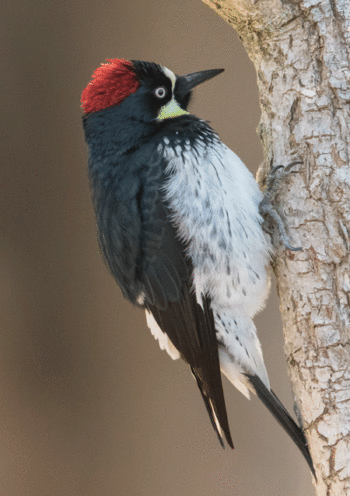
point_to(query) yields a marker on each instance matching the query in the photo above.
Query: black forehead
(149, 72)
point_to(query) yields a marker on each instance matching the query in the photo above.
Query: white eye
(160, 92)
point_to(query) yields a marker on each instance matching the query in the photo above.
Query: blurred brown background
(89, 404)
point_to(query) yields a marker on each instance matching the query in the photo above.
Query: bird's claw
(276, 174)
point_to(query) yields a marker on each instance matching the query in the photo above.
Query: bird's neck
(108, 133)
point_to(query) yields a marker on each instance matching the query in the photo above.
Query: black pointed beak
(196, 78)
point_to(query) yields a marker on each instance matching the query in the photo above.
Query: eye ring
(160, 92)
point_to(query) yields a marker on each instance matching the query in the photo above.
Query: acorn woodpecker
(180, 229)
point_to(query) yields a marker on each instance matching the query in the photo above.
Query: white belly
(215, 204)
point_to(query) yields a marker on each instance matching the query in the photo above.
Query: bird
(180, 229)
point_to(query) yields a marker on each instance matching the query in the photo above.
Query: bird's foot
(273, 222)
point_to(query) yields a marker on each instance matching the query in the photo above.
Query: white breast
(215, 201)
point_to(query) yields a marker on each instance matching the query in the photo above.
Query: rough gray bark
(301, 52)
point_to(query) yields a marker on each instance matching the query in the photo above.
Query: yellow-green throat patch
(170, 110)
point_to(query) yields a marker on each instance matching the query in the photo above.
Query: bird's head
(141, 90)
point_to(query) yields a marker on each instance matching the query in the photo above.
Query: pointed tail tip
(312, 468)
(275, 407)
(223, 433)
(229, 441)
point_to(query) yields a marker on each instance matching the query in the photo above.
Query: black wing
(145, 255)
(167, 280)
(191, 330)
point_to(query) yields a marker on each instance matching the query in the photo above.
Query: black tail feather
(209, 408)
(274, 405)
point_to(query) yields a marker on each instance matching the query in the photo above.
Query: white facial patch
(169, 74)
(172, 108)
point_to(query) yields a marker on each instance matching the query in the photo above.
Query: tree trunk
(301, 52)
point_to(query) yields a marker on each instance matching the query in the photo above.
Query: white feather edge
(162, 338)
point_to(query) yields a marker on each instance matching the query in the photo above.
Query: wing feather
(191, 330)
